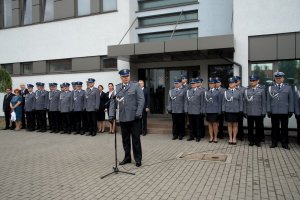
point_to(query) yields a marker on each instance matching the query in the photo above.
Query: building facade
(70, 40)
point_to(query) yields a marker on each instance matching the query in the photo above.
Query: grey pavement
(54, 166)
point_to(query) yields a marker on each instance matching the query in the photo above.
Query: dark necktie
(279, 86)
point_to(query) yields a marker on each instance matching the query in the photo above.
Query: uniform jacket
(92, 99)
(78, 99)
(54, 97)
(147, 97)
(130, 101)
(232, 102)
(193, 101)
(29, 102)
(280, 101)
(6, 102)
(41, 99)
(66, 103)
(255, 101)
(212, 101)
(176, 100)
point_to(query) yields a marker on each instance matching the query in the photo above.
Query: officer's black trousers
(280, 134)
(66, 121)
(92, 122)
(41, 120)
(201, 126)
(30, 118)
(298, 131)
(84, 122)
(194, 126)
(144, 122)
(178, 124)
(7, 118)
(240, 134)
(221, 126)
(23, 117)
(259, 128)
(77, 115)
(54, 120)
(131, 128)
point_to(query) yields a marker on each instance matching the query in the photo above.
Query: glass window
(28, 12)
(161, 36)
(8, 68)
(26, 68)
(108, 63)
(154, 4)
(49, 10)
(8, 17)
(168, 19)
(59, 65)
(84, 7)
(265, 71)
(108, 5)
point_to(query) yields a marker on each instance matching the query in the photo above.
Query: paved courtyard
(54, 166)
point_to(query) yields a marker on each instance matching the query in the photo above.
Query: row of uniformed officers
(67, 110)
(278, 102)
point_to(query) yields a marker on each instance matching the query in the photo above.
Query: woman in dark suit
(101, 112)
(112, 125)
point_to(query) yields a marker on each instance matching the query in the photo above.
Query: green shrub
(5, 80)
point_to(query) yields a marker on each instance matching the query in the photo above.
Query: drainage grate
(205, 157)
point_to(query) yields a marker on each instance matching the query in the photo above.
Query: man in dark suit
(23, 91)
(6, 108)
(146, 108)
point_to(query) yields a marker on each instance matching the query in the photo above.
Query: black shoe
(190, 139)
(138, 164)
(257, 144)
(180, 138)
(57, 131)
(125, 161)
(197, 139)
(286, 146)
(210, 141)
(144, 133)
(82, 133)
(215, 141)
(174, 138)
(93, 134)
(52, 131)
(43, 131)
(88, 134)
(273, 145)
(39, 130)
(251, 144)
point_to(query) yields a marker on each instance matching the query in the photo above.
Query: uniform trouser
(54, 120)
(66, 121)
(92, 121)
(77, 115)
(240, 133)
(194, 126)
(7, 118)
(298, 131)
(221, 126)
(144, 122)
(41, 119)
(84, 122)
(23, 117)
(280, 133)
(30, 118)
(131, 128)
(259, 128)
(201, 125)
(178, 124)
(72, 119)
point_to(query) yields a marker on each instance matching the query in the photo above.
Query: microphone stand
(115, 168)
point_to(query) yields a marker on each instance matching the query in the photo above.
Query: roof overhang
(194, 48)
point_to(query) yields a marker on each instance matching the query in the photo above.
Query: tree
(5, 80)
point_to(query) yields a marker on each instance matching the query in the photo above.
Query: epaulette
(119, 84)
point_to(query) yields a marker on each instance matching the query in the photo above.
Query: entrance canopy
(175, 50)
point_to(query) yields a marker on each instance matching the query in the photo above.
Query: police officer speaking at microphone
(129, 98)
(280, 107)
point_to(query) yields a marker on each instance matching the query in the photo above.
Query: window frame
(102, 68)
(4, 66)
(48, 66)
(22, 68)
(101, 7)
(164, 7)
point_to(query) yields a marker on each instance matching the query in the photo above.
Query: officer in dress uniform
(193, 106)
(201, 117)
(212, 109)
(241, 89)
(53, 111)
(130, 100)
(184, 82)
(92, 102)
(255, 110)
(78, 107)
(264, 88)
(72, 116)
(41, 104)
(221, 116)
(176, 108)
(29, 108)
(65, 107)
(280, 107)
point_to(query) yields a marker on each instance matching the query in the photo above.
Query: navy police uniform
(53, 111)
(29, 109)
(41, 104)
(65, 108)
(78, 108)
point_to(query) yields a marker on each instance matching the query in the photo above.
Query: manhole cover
(205, 157)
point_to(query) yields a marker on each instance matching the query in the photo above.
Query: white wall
(85, 36)
(259, 17)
